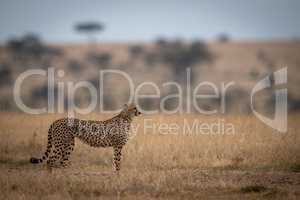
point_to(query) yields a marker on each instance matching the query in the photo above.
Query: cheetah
(113, 132)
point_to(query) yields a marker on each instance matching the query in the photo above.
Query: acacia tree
(90, 29)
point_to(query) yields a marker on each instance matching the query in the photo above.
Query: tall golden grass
(168, 166)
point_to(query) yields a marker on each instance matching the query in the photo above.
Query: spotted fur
(113, 132)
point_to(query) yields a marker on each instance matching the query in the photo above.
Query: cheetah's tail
(34, 160)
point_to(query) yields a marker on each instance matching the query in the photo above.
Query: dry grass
(164, 166)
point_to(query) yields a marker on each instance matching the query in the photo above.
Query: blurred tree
(100, 59)
(90, 29)
(293, 103)
(179, 55)
(151, 58)
(182, 55)
(5, 74)
(75, 66)
(30, 49)
(29, 44)
(136, 51)
(223, 38)
(161, 42)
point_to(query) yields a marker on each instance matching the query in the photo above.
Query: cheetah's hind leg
(66, 153)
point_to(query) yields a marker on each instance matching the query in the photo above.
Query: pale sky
(144, 20)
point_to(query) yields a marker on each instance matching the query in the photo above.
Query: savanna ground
(253, 163)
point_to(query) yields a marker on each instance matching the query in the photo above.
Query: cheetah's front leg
(117, 157)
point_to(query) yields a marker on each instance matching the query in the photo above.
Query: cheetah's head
(131, 111)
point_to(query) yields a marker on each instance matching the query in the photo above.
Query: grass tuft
(295, 167)
(253, 188)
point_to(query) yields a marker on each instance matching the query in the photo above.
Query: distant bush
(27, 45)
(41, 92)
(152, 58)
(179, 55)
(74, 66)
(136, 50)
(102, 59)
(5, 74)
(223, 38)
(161, 42)
(6, 104)
(293, 103)
(30, 45)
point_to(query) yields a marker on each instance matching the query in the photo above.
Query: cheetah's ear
(124, 110)
(125, 107)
